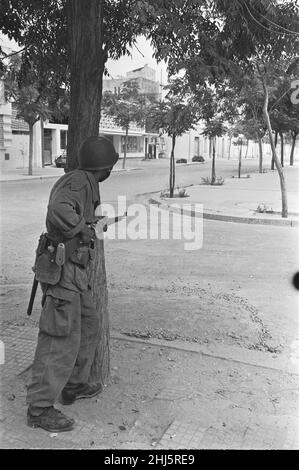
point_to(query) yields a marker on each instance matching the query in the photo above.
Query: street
(233, 298)
(256, 263)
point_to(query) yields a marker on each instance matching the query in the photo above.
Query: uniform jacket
(72, 204)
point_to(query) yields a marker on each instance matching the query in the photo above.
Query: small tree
(126, 108)
(214, 128)
(173, 117)
(271, 74)
(251, 125)
(23, 88)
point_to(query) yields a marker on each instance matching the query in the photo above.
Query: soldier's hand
(87, 234)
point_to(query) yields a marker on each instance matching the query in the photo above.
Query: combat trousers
(66, 345)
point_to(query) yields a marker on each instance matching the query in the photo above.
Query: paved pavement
(254, 198)
(193, 421)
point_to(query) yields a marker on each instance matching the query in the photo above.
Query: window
(132, 144)
(63, 139)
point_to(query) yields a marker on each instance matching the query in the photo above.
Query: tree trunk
(247, 146)
(229, 148)
(284, 202)
(294, 137)
(172, 168)
(281, 149)
(210, 147)
(260, 155)
(30, 149)
(125, 148)
(240, 161)
(275, 144)
(87, 60)
(213, 176)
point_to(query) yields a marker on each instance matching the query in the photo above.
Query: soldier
(69, 323)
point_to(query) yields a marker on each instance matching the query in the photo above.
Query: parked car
(198, 159)
(181, 160)
(60, 161)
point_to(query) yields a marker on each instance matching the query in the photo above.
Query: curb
(47, 177)
(232, 354)
(225, 217)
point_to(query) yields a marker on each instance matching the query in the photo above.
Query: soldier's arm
(65, 212)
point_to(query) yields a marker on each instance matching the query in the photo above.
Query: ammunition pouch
(51, 256)
(46, 268)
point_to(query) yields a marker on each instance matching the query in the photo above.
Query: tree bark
(281, 149)
(172, 168)
(213, 176)
(240, 161)
(125, 148)
(284, 202)
(247, 146)
(87, 60)
(229, 148)
(275, 144)
(210, 147)
(30, 149)
(294, 137)
(260, 155)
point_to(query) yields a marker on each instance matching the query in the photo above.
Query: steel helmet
(97, 153)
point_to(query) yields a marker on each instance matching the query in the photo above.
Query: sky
(140, 55)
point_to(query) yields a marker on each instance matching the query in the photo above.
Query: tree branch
(272, 107)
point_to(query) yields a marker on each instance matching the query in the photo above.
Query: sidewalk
(21, 174)
(237, 200)
(170, 406)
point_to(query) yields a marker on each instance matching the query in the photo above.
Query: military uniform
(69, 322)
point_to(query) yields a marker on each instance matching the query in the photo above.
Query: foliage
(264, 208)
(214, 128)
(206, 180)
(31, 104)
(173, 116)
(181, 193)
(126, 107)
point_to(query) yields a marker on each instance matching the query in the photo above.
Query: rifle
(32, 296)
(104, 222)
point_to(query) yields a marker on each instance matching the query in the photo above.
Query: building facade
(52, 137)
(145, 78)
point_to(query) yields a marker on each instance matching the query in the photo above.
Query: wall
(144, 72)
(185, 148)
(19, 151)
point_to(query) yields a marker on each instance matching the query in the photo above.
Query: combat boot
(71, 394)
(50, 419)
